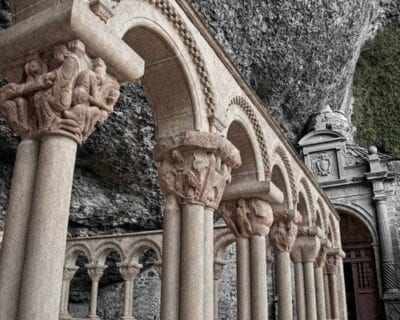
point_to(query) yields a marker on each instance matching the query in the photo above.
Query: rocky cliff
(298, 55)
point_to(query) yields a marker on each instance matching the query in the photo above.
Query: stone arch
(258, 133)
(221, 242)
(103, 251)
(333, 232)
(137, 249)
(303, 210)
(241, 136)
(282, 176)
(310, 199)
(176, 79)
(280, 151)
(74, 251)
(323, 214)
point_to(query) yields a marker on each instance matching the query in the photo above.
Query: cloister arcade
(218, 149)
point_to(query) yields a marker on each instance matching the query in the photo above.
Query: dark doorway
(362, 293)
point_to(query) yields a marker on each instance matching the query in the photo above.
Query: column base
(392, 304)
(127, 318)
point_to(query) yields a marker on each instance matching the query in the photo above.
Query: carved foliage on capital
(96, 272)
(63, 92)
(195, 176)
(69, 272)
(130, 272)
(283, 233)
(247, 217)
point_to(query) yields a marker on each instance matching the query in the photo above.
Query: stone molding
(247, 217)
(282, 154)
(283, 233)
(69, 272)
(64, 92)
(195, 166)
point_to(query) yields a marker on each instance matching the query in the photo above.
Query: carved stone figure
(93, 98)
(247, 217)
(283, 234)
(323, 165)
(15, 101)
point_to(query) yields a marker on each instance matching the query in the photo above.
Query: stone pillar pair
(64, 94)
(282, 237)
(250, 221)
(195, 167)
(304, 253)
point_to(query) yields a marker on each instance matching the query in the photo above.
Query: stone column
(218, 269)
(69, 273)
(328, 311)
(283, 236)
(390, 280)
(306, 249)
(95, 274)
(319, 283)
(171, 259)
(299, 283)
(243, 278)
(129, 274)
(208, 263)
(250, 221)
(332, 269)
(63, 106)
(195, 167)
(17, 221)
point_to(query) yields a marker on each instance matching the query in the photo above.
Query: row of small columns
(129, 272)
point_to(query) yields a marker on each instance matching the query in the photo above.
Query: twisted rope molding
(281, 152)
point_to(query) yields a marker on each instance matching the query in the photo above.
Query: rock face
(298, 57)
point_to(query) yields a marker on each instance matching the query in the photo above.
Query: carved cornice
(247, 217)
(63, 93)
(283, 233)
(195, 166)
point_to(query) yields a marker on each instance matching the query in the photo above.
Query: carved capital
(247, 217)
(283, 233)
(332, 263)
(129, 272)
(95, 272)
(196, 166)
(69, 272)
(63, 92)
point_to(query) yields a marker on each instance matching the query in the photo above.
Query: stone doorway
(362, 289)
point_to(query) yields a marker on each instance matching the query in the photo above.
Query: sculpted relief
(66, 94)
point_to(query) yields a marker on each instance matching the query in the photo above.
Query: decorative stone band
(283, 233)
(64, 92)
(195, 166)
(247, 217)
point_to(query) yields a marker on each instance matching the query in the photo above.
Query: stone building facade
(363, 186)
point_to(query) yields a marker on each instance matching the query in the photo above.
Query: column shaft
(93, 300)
(300, 299)
(171, 258)
(320, 293)
(390, 281)
(216, 299)
(47, 234)
(309, 286)
(333, 295)
(128, 299)
(64, 298)
(327, 297)
(284, 285)
(192, 263)
(16, 227)
(243, 279)
(208, 263)
(259, 297)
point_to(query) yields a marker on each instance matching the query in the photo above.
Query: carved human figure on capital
(247, 217)
(61, 97)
